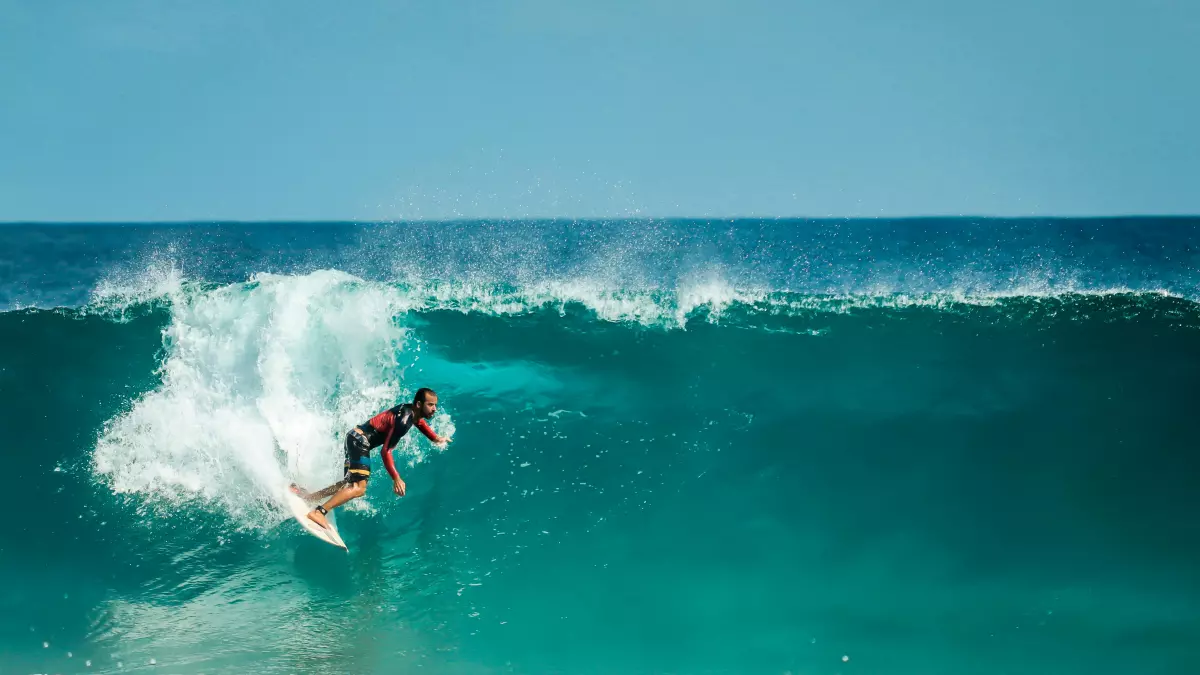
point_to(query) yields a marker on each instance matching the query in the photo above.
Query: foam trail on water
(259, 384)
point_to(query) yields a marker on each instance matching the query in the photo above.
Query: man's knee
(358, 488)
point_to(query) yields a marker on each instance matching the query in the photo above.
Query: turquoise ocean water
(810, 447)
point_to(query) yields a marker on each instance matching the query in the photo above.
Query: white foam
(713, 293)
(614, 287)
(123, 289)
(704, 294)
(260, 383)
(847, 302)
(647, 306)
(711, 296)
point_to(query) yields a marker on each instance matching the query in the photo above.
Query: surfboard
(300, 511)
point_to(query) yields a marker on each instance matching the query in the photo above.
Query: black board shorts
(358, 457)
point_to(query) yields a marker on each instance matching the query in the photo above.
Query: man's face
(429, 406)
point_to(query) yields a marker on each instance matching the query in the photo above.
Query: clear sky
(265, 109)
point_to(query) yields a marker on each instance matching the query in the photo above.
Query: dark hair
(422, 393)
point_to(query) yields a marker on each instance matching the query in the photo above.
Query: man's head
(425, 402)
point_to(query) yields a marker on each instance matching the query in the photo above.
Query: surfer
(384, 429)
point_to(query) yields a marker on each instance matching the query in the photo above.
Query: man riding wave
(385, 429)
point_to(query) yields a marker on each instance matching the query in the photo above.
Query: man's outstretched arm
(421, 424)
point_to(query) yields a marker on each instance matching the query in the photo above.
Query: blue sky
(257, 109)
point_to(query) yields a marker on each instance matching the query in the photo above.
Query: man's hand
(398, 487)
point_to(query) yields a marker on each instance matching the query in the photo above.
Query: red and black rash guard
(388, 427)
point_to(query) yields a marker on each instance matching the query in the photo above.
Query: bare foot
(318, 518)
(298, 491)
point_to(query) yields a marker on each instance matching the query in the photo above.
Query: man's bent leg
(349, 491)
(320, 494)
(354, 481)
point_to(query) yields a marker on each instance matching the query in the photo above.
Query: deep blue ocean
(916, 447)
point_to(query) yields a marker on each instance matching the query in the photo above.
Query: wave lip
(709, 298)
(714, 300)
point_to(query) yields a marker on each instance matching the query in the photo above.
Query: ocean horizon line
(596, 219)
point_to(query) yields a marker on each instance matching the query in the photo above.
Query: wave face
(916, 447)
